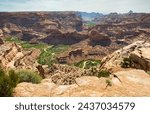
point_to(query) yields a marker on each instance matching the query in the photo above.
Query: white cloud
(104, 6)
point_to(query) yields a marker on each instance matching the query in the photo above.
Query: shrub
(86, 64)
(103, 73)
(127, 63)
(108, 82)
(7, 83)
(14, 78)
(29, 76)
(148, 72)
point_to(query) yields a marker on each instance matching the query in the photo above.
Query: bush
(127, 63)
(103, 73)
(14, 78)
(7, 83)
(108, 82)
(29, 76)
(86, 64)
(148, 72)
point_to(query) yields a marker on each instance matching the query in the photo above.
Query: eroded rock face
(115, 18)
(131, 82)
(43, 20)
(59, 37)
(12, 29)
(99, 38)
(64, 58)
(133, 51)
(141, 58)
(9, 53)
(49, 27)
(13, 57)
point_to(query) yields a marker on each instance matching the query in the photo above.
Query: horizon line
(23, 11)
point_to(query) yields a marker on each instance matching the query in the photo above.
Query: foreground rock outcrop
(138, 52)
(131, 82)
(141, 58)
(12, 56)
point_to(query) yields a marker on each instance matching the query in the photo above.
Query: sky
(102, 6)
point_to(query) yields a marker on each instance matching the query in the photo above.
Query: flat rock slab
(133, 83)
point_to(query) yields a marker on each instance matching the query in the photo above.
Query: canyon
(74, 51)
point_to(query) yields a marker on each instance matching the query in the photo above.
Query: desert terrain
(74, 54)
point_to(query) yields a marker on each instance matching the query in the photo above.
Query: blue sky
(103, 6)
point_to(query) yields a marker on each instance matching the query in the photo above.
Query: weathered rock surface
(138, 51)
(59, 37)
(127, 18)
(141, 58)
(12, 56)
(99, 38)
(49, 27)
(67, 20)
(131, 82)
(115, 31)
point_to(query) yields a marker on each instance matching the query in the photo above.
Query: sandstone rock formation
(115, 18)
(112, 32)
(12, 29)
(99, 38)
(8, 54)
(67, 20)
(58, 37)
(131, 82)
(141, 58)
(133, 51)
(49, 27)
(12, 56)
(67, 28)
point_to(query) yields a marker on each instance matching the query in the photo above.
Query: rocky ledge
(131, 82)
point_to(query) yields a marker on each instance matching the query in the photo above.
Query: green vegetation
(86, 64)
(10, 79)
(29, 76)
(14, 78)
(48, 52)
(103, 73)
(91, 24)
(7, 82)
(26, 44)
(127, 63)
(13, 39)
(109, 82)
(48, 56)
(148, 72)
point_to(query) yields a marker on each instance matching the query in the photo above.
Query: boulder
(141, 58)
